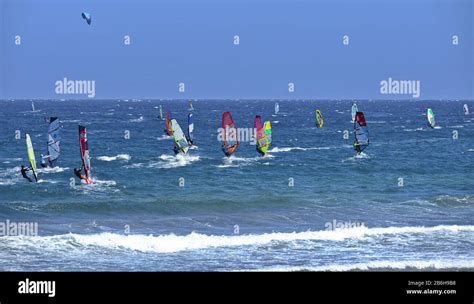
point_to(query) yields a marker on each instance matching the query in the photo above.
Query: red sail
(360, 119)
(229, 130)
(86, 161)
(168, 127)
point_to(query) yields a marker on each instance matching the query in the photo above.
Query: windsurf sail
(319, 119)
(168, 126)
(268, 133)
(277, 108)
(431, 118)
(466, 109)
(263, 143)
(161, 113)
(190, 128)
(85, 157)
(231, 142)
(54, 140)
(31, 156)
(354, 111)
(361, 133)
(87, 17)
(191, 105)
(33, 107)
(179, 138)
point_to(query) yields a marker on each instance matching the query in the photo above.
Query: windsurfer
(357, 148)
(224, 150)
(78, 173)
(260, 151)
(23, 173)
(43, 163)
(176, 150)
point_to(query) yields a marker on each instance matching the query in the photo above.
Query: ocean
(406, 203)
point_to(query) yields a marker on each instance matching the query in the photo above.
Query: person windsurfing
(228, 151)
(230, 140)
(176, 150)
(43, 162)
(23, 171)
(78, 173)
(357, 148)
(361, 134)
(260, 151)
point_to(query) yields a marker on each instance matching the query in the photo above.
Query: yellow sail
(319, 119)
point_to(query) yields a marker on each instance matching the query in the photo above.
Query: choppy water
(241, 213)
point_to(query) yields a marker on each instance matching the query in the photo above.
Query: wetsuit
(78, 173)
(23, 173)
(357, 148)
(43, 163)
(225, 151)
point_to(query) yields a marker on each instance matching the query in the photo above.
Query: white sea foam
(126, 157)
(413, 130)
(164, 137)
(288, 149)
(195, 241)
(384, 265)
(168, 161)
(56, 169)
(235, 162)
(139, 119)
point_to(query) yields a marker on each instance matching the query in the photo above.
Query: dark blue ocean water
(241, 214)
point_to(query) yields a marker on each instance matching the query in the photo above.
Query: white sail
(354, 111)
(54, 140)
(179, 137)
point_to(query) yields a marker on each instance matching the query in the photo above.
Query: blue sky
(191, 41)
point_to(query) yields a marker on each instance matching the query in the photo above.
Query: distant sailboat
(361, 134)
(191, 108)
(319, 119)
(161, 113)
(31, 156)
(181, 143)
(466, 109)
(230, 140)
(53, 143)
(189, 136)
(85, 157)
(277, 108)
(168, 130)
(431, 118)
(264, 135)
(33, 107)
